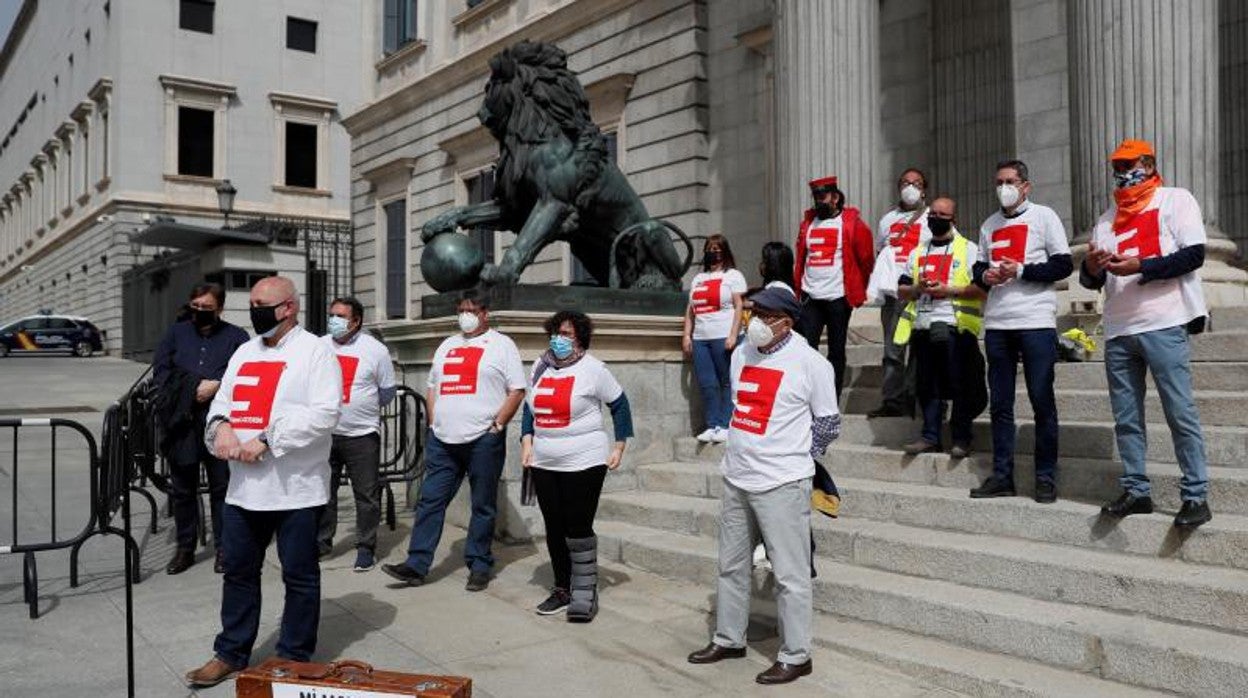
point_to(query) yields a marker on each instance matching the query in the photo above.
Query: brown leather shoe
(211, 674)
(784, 673)
(713, 653)
(181, 561)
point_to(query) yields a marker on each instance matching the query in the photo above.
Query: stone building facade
(116, 116)
(722, 110)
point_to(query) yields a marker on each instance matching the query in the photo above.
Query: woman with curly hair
(568, 454)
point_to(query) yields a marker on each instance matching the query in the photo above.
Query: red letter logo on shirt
(348, 364)
(460, 371)
(1010, 242)
(1140, 236)
(706, 296)
(935, 267)
(552, 402)
(756, 397)
(821, 244)
(903, 239)
(254, 389)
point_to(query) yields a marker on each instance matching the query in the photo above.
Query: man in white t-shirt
(1023, 251)
(476, 384)
(272, 418)
(784, 417)
(1145, 253)
(901, 230)
(367, 387)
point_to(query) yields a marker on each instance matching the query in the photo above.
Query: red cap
(1131, 149)
(829, 181)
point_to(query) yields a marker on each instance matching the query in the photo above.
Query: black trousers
(184, 498)
(834, 315)
(569, 502)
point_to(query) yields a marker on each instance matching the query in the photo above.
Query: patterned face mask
(1130, 178)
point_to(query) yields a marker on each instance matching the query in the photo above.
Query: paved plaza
(636, 646)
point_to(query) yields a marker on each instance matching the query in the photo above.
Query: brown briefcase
(280, 678)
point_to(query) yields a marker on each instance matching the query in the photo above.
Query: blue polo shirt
(206, 356)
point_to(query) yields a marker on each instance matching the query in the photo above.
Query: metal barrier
(403, 425)
(114, 473)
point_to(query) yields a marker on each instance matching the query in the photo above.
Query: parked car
(46, 333)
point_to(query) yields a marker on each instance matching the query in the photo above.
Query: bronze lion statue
(555, 181)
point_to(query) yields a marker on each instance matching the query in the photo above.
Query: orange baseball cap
(1131, 149)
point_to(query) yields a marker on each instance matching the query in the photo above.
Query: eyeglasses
(195, 306)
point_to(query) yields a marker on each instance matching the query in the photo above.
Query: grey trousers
(899, 375)
(782, 516)
(361, 456)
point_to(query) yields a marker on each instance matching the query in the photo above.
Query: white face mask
(910, 195)
(469, 322)
(759, 333)
(1008, 195)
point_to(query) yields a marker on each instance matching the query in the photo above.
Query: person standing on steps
(901, 230)
(712, 325)
(187, 371)
(1022, 252)
(273, 418)
(476, 384)
(834, 260)
(941, 322)
(367, 387)
(569, 453)
(784, 417)
(1145, 254)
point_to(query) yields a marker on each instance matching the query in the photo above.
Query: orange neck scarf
(1132, 200)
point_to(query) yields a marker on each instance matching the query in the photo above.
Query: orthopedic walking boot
(584, 604)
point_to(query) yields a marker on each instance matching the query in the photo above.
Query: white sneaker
(707, 436)
(720, 436)
(760, 557)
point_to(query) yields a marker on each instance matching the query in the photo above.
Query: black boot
(584, 604)
(182, 560)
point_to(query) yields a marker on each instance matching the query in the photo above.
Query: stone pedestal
(827, 102)
(642, 351)
(1149, 69)
(590, 300)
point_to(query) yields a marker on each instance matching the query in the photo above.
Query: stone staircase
(1001, 597)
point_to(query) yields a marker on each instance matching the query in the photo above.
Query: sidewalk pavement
(636, 646)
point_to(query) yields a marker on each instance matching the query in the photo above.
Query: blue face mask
(1130, 178)
(561, 346)
(338, 327)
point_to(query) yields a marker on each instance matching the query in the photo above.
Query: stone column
(827, 104)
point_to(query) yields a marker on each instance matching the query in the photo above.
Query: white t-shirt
(567, 405)
(1030, 237)
(366, 369)
(896, 231)
(1170, 222)
(775, 398)
(470, 378)
(292, 391)
(823, 276)
(936, 262)
(710, 297)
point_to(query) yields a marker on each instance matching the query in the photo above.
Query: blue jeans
(445, 468)
(711, 365)
(1164, 353)
(246, 535)
(1038, 352)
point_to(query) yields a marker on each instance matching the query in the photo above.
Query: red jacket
(857, 254)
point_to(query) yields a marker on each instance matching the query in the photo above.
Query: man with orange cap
(835, 255)
(1145, 254)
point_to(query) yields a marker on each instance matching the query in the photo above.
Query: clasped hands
(1099, 260)
(226, 446)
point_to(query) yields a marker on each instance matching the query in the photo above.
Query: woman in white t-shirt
(568, 454)
(712, 325)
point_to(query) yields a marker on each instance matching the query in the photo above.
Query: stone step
(1216, 407)
(1221, 542)
(1165, 589)
(1088, 375)
(1225, 446)
(1128, 649)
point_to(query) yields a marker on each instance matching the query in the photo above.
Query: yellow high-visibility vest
(968, 313)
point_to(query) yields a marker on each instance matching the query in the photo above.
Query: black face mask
(204, 319)
(939, 226)
(710, 258)
(823, 211)
(264, 318)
